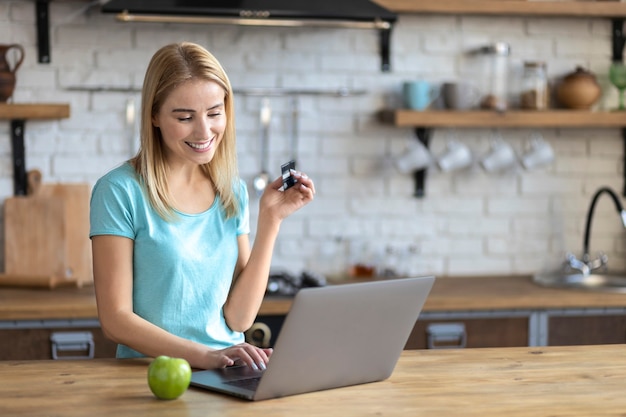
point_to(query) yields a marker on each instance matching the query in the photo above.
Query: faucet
(587, 265)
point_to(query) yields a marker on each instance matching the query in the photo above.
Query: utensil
(262, 179)
(293, 145)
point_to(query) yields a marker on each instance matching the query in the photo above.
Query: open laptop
(332, 337)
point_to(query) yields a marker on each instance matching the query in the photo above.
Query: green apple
(169, 378)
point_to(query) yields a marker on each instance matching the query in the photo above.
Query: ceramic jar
(7, 74)
(578, 90)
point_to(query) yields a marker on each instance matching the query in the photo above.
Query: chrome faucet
(586, 265)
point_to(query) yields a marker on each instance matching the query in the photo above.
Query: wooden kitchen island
(549, 381)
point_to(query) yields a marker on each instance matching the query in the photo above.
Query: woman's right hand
(243, 353)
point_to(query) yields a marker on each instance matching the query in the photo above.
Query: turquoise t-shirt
(183, 269)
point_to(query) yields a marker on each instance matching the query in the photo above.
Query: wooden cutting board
(34, 236)
(76, 238)
(47, 234)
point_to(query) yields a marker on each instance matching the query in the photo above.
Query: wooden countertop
(448, 294)
(566, 381)
(492, 293)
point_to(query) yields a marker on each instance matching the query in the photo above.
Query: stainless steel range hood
(359, 14)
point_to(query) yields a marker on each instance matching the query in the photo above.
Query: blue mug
(419, 95)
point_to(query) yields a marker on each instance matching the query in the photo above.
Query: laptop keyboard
(246, 383)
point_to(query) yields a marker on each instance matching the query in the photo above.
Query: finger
(258, 356)
(304, 179)
(250, 355)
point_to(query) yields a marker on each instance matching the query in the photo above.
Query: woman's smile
(201, 146)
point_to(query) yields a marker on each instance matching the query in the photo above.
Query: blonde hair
(169, 67)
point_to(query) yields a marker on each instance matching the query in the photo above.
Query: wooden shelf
(509, 119)
(34, 111)
(18, 114)
(611, 9)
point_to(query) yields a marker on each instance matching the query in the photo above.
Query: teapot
(7, 75)
(579, 90)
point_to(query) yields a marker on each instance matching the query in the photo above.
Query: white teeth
(199, 146)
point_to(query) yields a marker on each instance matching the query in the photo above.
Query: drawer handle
(73, 342)
(446, 336)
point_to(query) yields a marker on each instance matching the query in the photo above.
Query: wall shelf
(611, 9)
(508, 119)
(18, 114)
(40, 111)
(424, 121)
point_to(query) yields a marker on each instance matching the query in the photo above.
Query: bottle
(535, 93)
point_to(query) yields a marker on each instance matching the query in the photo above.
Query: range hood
(359, 14)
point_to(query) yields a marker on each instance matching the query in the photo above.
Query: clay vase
(7, 74)
(579, 90)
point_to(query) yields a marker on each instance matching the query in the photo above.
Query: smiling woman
(173, 268)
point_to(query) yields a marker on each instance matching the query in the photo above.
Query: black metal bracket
(19, 157)
(423, 135)
(42, 16)
(618, 40)
(385, 49)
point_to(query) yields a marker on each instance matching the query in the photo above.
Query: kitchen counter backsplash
(365, 215)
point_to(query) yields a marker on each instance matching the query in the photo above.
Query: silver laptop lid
(343, 335)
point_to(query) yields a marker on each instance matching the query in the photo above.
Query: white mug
(539, 154)
(456, 156)
(416, 157)
(500, 157)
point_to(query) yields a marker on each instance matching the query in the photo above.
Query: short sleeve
(243, 218)
(110, 210)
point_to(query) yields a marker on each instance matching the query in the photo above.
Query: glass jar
(535, 94)
(496, 58)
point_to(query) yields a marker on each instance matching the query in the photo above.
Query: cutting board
(76, 238)
(34, 232)
(47, 234)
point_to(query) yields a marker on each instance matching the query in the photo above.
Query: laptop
(333, 336)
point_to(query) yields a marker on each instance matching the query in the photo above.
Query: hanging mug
(7, 74)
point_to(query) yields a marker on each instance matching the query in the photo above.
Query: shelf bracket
(385, 49)
(423, 135)
(42, 16)
(618, 40)
(19, 157)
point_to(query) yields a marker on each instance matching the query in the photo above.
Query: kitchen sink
(609, 282)
(588, 273)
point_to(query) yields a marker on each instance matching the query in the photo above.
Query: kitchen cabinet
(34, 343)
(470, 333)
(573, 328)
(17, 114)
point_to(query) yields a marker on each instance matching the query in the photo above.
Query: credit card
(288, 180)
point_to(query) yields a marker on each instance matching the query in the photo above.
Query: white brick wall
(469, 223)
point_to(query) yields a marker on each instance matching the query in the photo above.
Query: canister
(495, 58)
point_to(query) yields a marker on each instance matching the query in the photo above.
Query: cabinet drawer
(34, 344)
(586, 330)
(479, 332)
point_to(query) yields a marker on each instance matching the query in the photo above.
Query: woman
(174, 272)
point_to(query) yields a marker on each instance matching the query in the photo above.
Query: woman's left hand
(280, 203)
